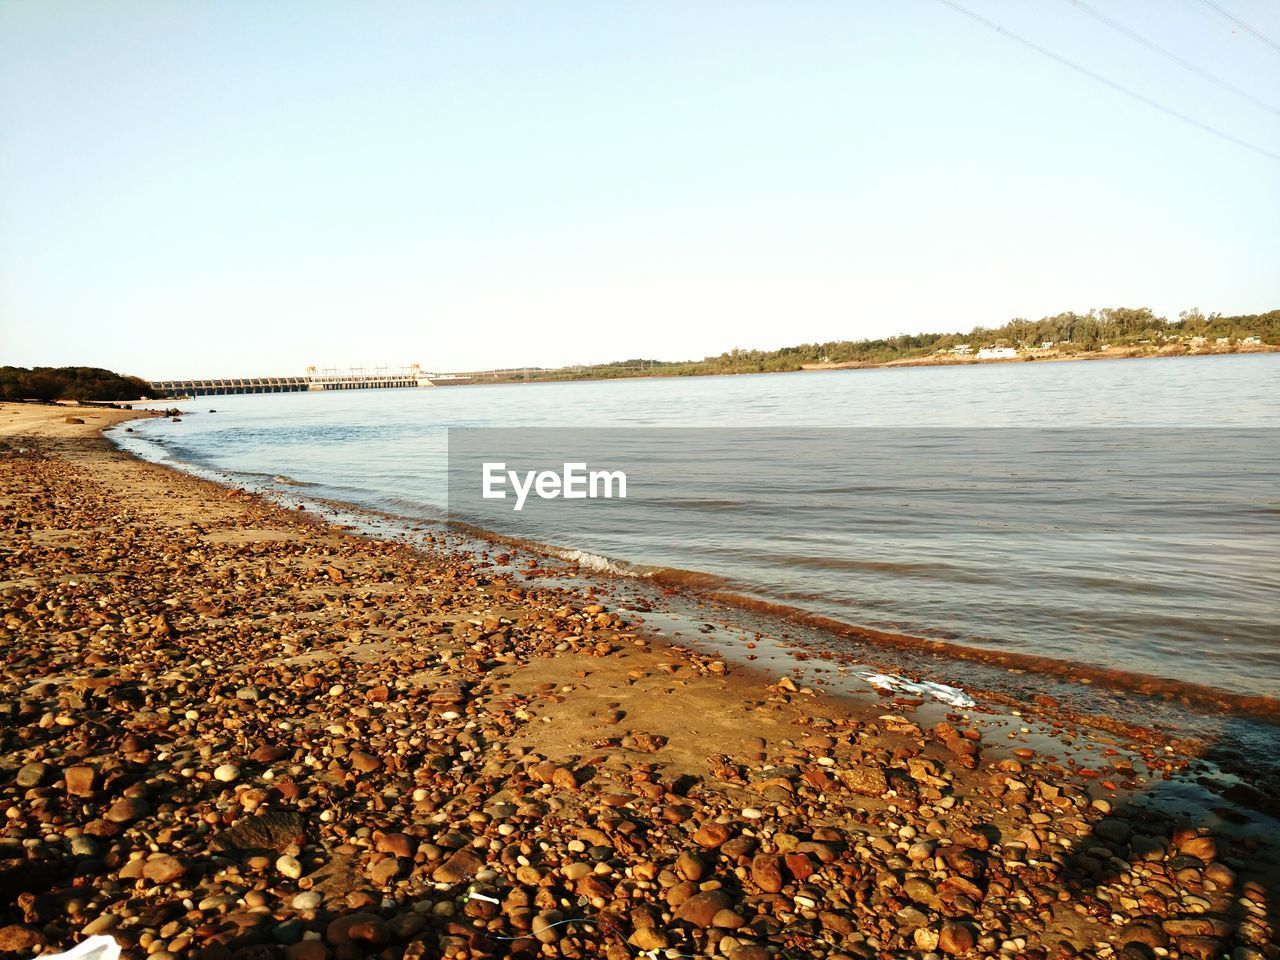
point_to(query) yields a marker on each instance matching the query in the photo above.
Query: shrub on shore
(71, 383)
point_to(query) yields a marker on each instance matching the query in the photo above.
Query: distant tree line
(71, 383)
(1066, 332)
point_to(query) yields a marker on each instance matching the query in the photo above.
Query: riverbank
(233, 730)
(593, 375)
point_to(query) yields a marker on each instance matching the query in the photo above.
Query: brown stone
(16, 938)
(956, 938)
(1202, 848)
(711, 835)
(766, 872)
(356, 928)
(799, 866)
(867, 779)
(80, 780)
(307, 950)
(463, 865)
(397, 844)
(701, 908)
(164, 869)
(270, 753)
(127, 808)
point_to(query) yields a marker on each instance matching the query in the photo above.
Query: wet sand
(231, 730)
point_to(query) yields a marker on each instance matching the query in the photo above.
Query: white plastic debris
(939, 691)
(95, 948)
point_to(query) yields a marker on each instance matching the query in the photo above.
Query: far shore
(235, 731)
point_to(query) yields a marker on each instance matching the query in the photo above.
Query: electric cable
(991, 24)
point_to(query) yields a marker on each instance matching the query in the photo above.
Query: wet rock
(1202, 848)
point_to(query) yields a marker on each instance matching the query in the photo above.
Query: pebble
(398, 720)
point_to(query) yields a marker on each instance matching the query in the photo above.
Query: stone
(16, 938)
(766, 872)
(289, 867)
(362, 928)
(1202, 848)
(689, 866)
(164, 869)
(397, 845)
(1113, 831)
(701, 908)
(226, 773)
(711, 835)
(270, 753)
(307, 900)
(867, 779)
(127, 809)
(81, 780)
(33, 774)
(307, 950)
(956, 938)
(463, 865)
(364, 762)
(274, 830)
(647, 938)
(384, 871)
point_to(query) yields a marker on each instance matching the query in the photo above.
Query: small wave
(598, 563)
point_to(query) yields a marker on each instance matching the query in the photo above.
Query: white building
(997, 353)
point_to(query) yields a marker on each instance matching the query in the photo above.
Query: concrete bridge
(318, 380)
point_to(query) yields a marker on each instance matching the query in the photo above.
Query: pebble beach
(232, 731)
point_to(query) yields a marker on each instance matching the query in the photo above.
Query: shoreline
(684, 801)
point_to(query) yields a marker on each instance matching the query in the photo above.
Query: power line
(991, 24)
(1170, 55)
(1242, 25)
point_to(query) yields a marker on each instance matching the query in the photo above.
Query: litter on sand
(939, 691)
(95, 948)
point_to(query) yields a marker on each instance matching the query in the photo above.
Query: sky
(241, 188)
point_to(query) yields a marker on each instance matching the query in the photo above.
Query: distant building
(1252, 341)
(1223, 341)
(997, 353)
(962, 348)
(1048, 345)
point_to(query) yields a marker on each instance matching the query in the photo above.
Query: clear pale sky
(221, 188)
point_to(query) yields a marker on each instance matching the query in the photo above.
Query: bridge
(316, 379)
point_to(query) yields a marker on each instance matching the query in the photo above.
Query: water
(1167, 570)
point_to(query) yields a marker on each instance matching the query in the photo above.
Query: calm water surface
(1188, 594)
